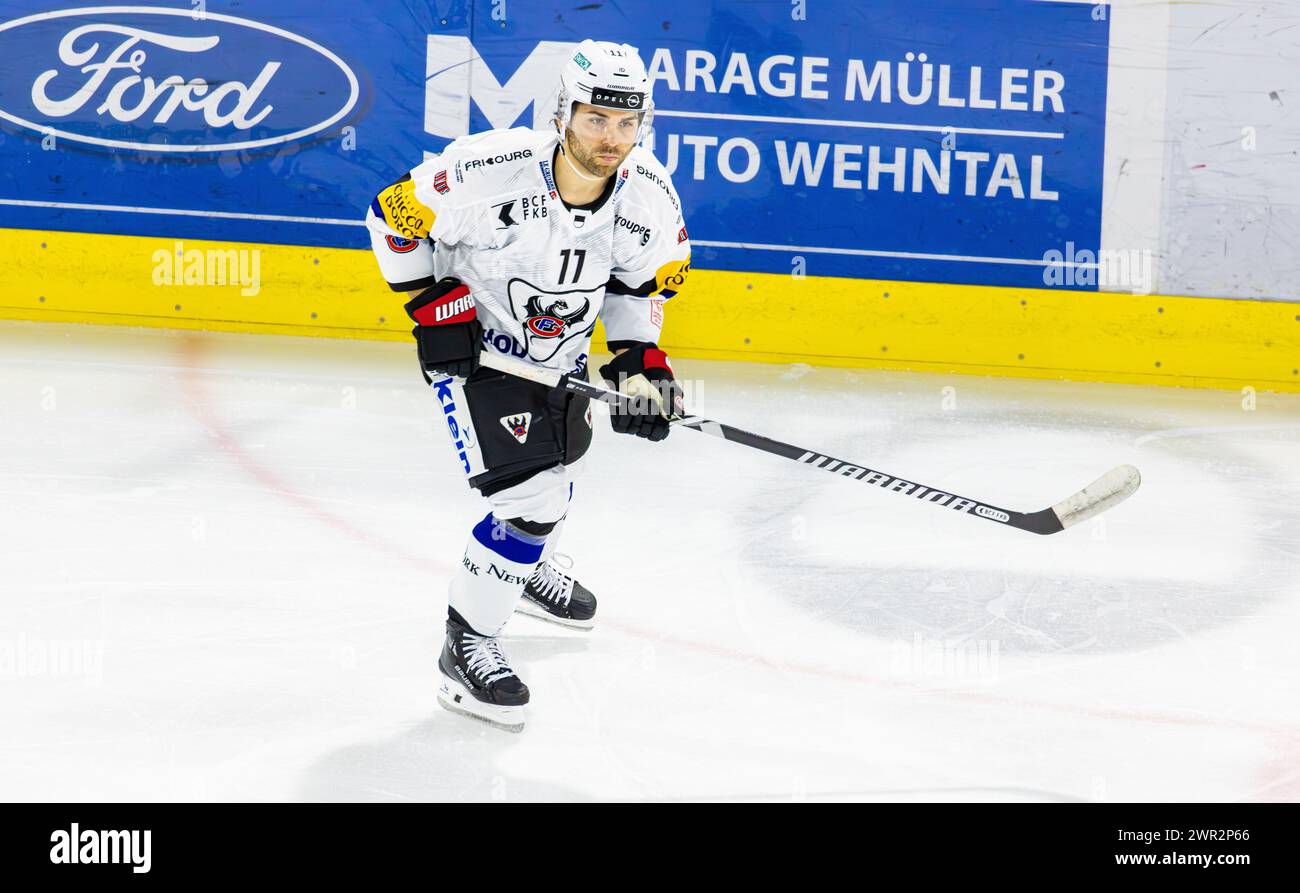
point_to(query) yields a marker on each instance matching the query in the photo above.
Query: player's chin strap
(1106, 492)
(573, 167)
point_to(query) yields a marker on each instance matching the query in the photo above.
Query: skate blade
(454, 697)
(528, 608)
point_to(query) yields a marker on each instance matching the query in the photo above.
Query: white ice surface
(223, 567)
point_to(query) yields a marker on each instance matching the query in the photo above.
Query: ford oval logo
(168, 80)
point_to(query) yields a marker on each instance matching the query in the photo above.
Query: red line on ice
(191, 349)
(1279, 773)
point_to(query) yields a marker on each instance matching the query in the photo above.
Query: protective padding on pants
(543, 498)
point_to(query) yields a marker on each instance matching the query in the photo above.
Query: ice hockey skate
(554, 596)
(477, 680)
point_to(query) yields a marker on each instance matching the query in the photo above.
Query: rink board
(806, 142)
(726, 315)
(877, 139)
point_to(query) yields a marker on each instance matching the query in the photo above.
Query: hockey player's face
(599, 139)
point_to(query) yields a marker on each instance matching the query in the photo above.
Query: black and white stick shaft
(1107, 491)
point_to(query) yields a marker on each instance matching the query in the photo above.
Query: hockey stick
(1107, 491)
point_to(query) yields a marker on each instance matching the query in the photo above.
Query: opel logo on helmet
(633, 101)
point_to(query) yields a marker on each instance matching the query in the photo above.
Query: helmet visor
(597, 124)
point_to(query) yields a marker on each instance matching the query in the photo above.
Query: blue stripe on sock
(510, 544)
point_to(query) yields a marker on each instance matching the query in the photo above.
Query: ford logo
(168, 80)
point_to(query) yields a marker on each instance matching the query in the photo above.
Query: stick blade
(1106, 492)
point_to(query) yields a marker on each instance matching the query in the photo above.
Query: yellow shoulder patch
(672, 275)
(404, 212)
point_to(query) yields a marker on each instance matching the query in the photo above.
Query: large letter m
(456, 72)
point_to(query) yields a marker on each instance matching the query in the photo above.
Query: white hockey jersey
(486, 210)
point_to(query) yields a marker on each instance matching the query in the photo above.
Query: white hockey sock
(498, 560)
(552, 539)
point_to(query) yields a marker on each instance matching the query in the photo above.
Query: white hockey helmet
(609, 75)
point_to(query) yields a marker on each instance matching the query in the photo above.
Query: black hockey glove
(642, 372)
(447, 332)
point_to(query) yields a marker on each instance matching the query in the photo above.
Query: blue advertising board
(894, 139)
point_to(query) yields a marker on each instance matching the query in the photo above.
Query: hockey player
(515, 241)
